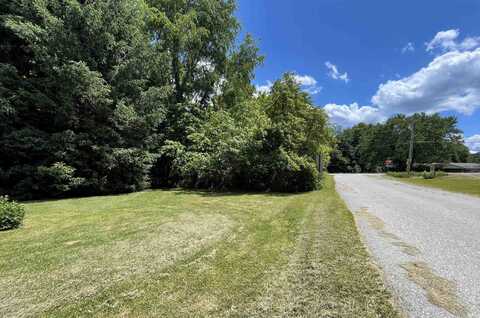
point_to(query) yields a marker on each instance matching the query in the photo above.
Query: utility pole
(319, 159)
(410, 151)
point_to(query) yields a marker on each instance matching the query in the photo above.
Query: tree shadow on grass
(176, 191)
(211, 193)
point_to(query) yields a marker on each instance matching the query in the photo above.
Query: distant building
(460, 167)
(449, 167)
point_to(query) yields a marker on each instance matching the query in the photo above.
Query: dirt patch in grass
(70, 243)
(440, 291)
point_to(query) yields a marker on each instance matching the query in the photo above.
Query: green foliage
(441, 174)
(129, 170)
(364, 148)
(55, 180)
(432, 175)
(115, 96)
(396, 174)
(280, 171)
(11, 214)
(424, 174)
(428, 175)
(475, 158)
(268, 143)
(57, 71)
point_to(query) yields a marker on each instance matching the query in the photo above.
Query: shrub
(129, 170)
(425, 174)
(11, 214)
(295, 174)
(165, 171)
(55, 180)
(280, 171)
(441, 174)
(428, 175)
(398, 174)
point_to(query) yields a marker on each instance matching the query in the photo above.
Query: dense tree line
(365, 147)
(475, 158)
(114, 96)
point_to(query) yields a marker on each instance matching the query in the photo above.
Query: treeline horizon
(115, 96)
(365, 147)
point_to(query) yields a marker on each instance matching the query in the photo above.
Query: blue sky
(366, 60)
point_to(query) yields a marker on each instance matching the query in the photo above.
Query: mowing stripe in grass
(260, 255)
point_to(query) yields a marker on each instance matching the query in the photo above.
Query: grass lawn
(455, 183)
(190, 254)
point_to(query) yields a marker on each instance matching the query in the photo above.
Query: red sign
(388, 163)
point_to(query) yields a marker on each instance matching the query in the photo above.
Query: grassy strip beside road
(454, 183)
(185, 254)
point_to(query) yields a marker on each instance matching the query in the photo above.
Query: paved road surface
(427, 242)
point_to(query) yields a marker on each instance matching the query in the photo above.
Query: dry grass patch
(378, 224)
(440, 291)
(97, 268)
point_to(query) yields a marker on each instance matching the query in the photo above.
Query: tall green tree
(366, 147)
(59, 61)
(204, 68)
(110, 96)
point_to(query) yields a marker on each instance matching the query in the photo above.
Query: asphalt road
(426, 241)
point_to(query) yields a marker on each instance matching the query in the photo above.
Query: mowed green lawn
(455, 183)
(190, 254)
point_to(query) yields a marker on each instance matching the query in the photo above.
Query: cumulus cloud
(409, 47)
(450, 82)
(308, 84)
(349, 115)
(306, 80)
(335, 74)
(448, 41)
(473, 143)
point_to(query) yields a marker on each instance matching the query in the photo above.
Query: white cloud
(447, 41)
(305, 80)
(473, 143)
(409, 47)
(443, 39)
(349, 115)
(313, 90)
(450, 82)
(264, 88)
(335, 74)
(308, 84)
